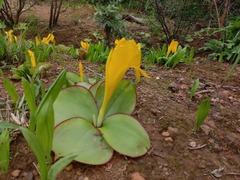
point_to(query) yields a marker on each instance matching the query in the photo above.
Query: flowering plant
(93, 120)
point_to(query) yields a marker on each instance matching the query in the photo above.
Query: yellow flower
(48, 39)
(37, 40)
(172, 47)
(126, 54)
(11, 37)
(32, 58)
(81, 71)
(84, 45)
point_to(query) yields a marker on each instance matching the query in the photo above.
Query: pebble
(192, 144)
(172, 131)
(206, 129)
(137, 176)
(69, 167)
(224, 94)
(165, 134)
(16, 172)
(169, 139)
(173, 87)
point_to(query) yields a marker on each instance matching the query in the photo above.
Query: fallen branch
(198, 147)
(130, 17)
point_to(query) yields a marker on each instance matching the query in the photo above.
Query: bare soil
(164, 109)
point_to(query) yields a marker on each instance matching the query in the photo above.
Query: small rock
(173, 87)
(27, 176)
(157, 78)
(172, 131)
(224, 94)
(137, 176)
(206, 129)
(169, 139)
(211, 124)
(165, 134)
(16, 173)
(69, 167)
(192, 144)
(184, 86)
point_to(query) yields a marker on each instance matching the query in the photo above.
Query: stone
(172, 131)
(165, 134)
(69, 167)
(192, 144)
(169, 139)
(224, 94)
(173, 87)
(16, 173)
(137, 176)
(206, 129)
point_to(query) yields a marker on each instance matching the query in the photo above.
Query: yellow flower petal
(37, 40)
(48, 39)
(84, 45)
(126, 54)
(32, 58)
(10, 36)
(172, 47)
(81, 71)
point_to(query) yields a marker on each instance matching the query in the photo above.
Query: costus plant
(93, 120)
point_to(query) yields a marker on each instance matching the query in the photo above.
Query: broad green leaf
(78, 135)
(125, 135)
(86, 85)
(58, 166)
(5, 150)
(75, 101)
(202, 112)
(38, 151)
(72, 78)
(194, 88)
(95, 87)
(29, 92)
(11, 90)
(123, 99)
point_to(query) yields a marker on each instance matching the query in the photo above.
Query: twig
(234, 174)
(36, 168)
(198, 147)
(204, 91)
(93, 71)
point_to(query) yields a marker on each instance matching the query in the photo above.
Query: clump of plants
(170, 56)
(225, 48)
(110, 19)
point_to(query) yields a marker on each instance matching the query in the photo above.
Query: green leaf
(72, 78)
(52, 93)
(95, 87)
(11, 90)
(37, 149)
(5, 150)
(202, 112)
(45, 127)
(194, 88)
(29, 92)
(77, 135)
(4, 125)
(125, 135)
(75, 101)
(58, 166)
(123, 99)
